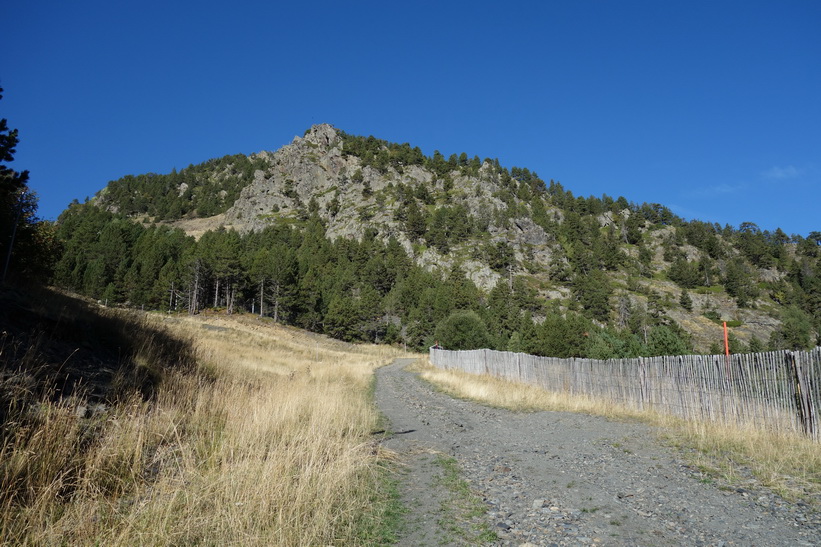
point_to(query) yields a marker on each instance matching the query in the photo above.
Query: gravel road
(556, 478)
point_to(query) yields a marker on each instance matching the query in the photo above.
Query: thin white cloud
(726, 189)
(684, 212)
(717, 190)
(782, 173)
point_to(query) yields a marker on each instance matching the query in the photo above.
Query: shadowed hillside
(126, 428)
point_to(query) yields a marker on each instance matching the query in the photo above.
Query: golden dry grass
(516, 396)
(788, 463)
(273, 446)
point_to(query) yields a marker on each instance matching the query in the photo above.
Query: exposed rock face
(314, 171)
(313, 167)
(302, 170)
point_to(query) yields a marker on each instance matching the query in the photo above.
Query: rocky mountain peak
(323, 134)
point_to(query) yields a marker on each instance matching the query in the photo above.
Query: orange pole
(726, 341)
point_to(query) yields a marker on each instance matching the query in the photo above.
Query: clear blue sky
(712, 108)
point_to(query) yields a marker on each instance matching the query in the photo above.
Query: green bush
(462, 329)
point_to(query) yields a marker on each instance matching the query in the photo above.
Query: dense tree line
(366, 290)
(207, 189)
(380, 154)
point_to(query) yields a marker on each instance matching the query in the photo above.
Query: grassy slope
(267, 440)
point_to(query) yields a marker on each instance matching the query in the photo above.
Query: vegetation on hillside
(353, 290)
(204, 190)
(605, 292)
(620, 280)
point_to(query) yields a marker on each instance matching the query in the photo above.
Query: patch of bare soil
(197, 226)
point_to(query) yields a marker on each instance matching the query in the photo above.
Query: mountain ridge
(493, 224)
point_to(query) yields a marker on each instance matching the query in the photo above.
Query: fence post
(519, 367)
(643, 395)
(802, 395)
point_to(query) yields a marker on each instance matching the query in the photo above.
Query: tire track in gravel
(557, 478)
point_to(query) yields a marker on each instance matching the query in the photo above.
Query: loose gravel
(558, 478)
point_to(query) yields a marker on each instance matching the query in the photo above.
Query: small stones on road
(563, 479)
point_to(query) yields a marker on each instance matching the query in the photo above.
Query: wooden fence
(776, 390)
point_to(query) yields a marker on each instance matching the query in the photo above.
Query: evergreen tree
(756, 345)
(561, 337)
(462, 330)
(26, 247)
(684, 273)
(686, 301)
(342, 318)
(633, 228)
(736, 345)
(612, 344)
(795, 331)
(645, 260)
(281, 271)
(515, 343)
(738, 282)
(500, 256)
(609, 254)
(221, 251)
(664, 340)
(593, 292)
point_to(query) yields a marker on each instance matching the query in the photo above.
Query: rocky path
(553, 478)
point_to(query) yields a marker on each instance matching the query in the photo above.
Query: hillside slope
(620, 265)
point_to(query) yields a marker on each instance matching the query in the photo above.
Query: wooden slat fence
(775, 390)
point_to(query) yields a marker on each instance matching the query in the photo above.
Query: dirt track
(553, 478)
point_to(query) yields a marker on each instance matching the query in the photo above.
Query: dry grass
(271, 446)
(515, 396)
(787, 463)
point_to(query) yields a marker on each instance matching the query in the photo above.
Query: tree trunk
(261, 295)
(193, 298)
(276, 303)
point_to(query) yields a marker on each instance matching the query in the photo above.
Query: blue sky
(711, 108)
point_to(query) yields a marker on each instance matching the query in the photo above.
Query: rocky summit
(352, 197)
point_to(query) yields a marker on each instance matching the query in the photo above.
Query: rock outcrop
(314, 174)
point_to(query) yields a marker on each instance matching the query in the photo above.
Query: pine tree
(463, 330)
(686, 301)
(24, 251)
(795, 331)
